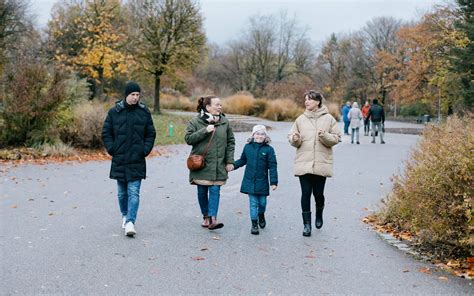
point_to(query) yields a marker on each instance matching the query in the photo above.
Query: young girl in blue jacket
(260, 173)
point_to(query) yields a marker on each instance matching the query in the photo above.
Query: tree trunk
(100, 89)
(156, 107)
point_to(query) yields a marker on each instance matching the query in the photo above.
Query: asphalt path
(61, 233)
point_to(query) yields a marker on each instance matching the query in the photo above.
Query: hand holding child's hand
(274, 187)
(229, 167)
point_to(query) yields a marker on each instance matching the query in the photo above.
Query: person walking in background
(314, 133)
(355, 116)
(129, 135)
(377, 117)
(345, 111)
(211, 127)
(365, 112)
(261, 169)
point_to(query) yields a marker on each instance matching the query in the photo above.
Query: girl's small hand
(274, 187)
(229, 167)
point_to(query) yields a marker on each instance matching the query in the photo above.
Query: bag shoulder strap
(209, 143)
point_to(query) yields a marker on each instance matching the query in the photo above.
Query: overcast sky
(224, 20)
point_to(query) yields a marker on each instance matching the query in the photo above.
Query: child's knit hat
(259, 128)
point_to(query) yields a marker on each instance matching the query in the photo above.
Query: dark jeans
(366, 126)
(312, 184)
(346, 127)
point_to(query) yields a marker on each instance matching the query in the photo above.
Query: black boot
(254, 229)
(261, 220)
(307, 223)
(319, 217)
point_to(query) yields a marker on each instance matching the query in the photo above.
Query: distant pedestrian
(210, 127)
(355, 116)
(365, 112)
(345, 111)
(314, 133)
(377, 117)
(260, 163)
(129, 136)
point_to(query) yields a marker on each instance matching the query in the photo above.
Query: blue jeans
(258, 204)
(208, 197)
(129, 199)
(346, 127)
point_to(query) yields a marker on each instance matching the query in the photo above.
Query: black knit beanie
(131, 87)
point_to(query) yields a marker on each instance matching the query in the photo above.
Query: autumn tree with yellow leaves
(89, 37)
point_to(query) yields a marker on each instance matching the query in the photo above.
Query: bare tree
(303, 55)
(381, 36)
(168, 35)
(261, 40)
(15, 23)
(381, 33)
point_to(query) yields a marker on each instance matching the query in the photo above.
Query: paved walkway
(60, 232)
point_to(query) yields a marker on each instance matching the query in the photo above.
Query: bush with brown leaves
(433, 197)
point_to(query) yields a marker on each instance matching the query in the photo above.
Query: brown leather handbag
(197, 162)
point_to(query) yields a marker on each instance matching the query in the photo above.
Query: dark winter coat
(221, 149)
(128, 135)
(376, 113)
(261, 165)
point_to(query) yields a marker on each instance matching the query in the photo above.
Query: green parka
(221, 149)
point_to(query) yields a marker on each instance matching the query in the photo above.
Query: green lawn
(162, 125)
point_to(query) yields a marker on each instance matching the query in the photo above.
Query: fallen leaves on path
(198, 258)
(31, 155)
(462, 268)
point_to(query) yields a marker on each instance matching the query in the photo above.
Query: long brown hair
(203, 102)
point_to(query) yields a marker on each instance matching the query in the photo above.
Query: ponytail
(203, 102)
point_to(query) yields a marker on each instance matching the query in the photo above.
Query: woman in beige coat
(314, 133)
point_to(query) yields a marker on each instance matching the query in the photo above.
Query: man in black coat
(129, 135)
(377, 116)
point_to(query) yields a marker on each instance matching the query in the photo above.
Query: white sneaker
(130, 229)
(124, 219)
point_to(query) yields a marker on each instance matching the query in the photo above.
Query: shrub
(86, 129)
(239, 103)
(282, 109)
(433, 198)
(168, 101)
(33, 96)
(415, 109)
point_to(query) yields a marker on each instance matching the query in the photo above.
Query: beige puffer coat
(314, 152)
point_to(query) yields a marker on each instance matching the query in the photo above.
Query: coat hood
(317, 113)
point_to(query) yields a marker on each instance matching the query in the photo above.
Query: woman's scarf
(209, 117)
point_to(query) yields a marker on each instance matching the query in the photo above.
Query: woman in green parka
(219, 158)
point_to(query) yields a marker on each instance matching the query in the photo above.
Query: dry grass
(240, 103)
(168, 101)
(282, 110)
(56, 150)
